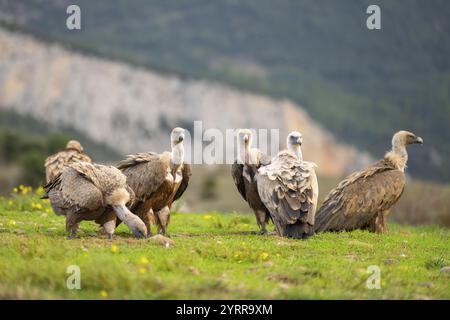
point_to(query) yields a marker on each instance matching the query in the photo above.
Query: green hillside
(362, 85)
(26, 142)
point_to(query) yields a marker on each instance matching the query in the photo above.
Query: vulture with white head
(86, 191)
(288, 188)
(363, 199)
(157, 180)
(244, 172)
(55, 163)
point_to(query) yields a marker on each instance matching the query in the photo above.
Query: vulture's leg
(279, 228)
(261, 220)
(72, 225)
(164, 218)
(147, 218)
(107, 220)
(109, 228)
(381, 222)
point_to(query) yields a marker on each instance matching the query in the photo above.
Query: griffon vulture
(157, 180)
(86, 191)
(55, 163)
(288, 188)
(363, 199)
(244, 172)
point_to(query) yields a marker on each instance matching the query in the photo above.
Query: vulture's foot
(110, 236)
(263, 231)
(162, 230)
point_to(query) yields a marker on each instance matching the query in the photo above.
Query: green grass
(215, 256)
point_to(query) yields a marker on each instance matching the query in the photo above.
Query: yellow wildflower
(15, 190)
(40, 191)
(143, 260)
(11, 222)
(207, 217)
(142, 270)
(104, 293)
(114, 249)
(264, 256)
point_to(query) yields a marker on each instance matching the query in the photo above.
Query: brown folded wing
(359, 197)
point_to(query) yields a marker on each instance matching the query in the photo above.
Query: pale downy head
(398, 155)
(177, 136)
(294, 141)
(176, 140)
(244, 140)
(117, 200)
(75, 145)
(403, 138)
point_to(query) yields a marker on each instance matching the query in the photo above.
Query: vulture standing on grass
(55, 163)
(363, 199)
(86, 191)
(157, 180)
(288, 188)
(244, 172)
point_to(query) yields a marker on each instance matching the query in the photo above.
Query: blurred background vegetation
(25, 143)
(362, 85)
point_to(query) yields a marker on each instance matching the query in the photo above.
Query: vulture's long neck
(177, 155)
(297, 150)
(398, 155)
(244, 152)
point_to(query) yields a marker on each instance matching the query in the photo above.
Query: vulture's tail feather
(325, 218)
(299, 230)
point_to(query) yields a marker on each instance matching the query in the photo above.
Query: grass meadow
(215, 255)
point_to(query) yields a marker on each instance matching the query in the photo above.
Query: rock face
(133, 109)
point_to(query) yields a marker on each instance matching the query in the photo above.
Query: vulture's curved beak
(246, 138)
(418, 140)
(139, 234)
(299, 141)
(181, 138)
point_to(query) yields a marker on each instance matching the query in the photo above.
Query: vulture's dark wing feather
(238, 178)
(145, 173)
(355, 201)
(187, 173)
(73, 191)
(54, 164)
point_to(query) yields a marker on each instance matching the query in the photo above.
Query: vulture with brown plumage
(363, 199)
(157, 180)
(55, 163)
(288, 188)
(86, 191)
(244, 172)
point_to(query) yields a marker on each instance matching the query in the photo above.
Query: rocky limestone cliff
(133, 110)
